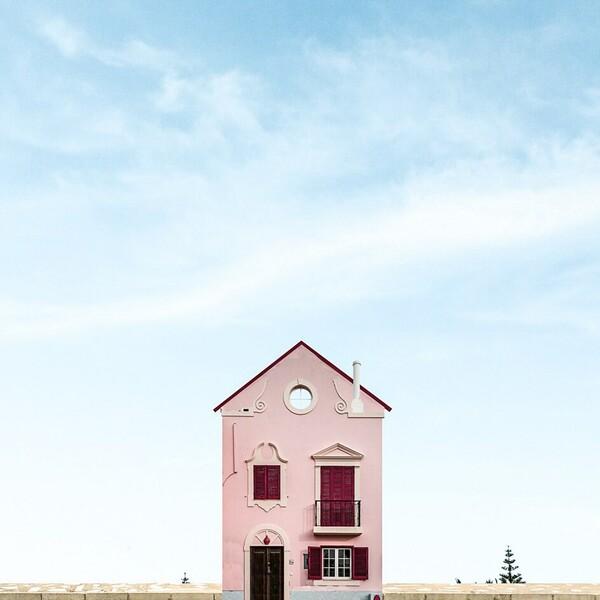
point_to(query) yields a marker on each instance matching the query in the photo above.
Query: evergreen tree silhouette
(510, 574)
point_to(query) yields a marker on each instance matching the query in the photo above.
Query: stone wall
(392, 591)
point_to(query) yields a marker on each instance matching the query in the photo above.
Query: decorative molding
(274, 459)
(340, 407)
(260, 405)
(347, 453)
(258, 535)
(241, 412)
(300, 383)
(370, 415)
(349, 531)
(268, 461)
(336, 583)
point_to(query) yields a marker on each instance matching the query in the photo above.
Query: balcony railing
(337, 513)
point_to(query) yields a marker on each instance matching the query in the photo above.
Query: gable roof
(320, 357)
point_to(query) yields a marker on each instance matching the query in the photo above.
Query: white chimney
(357, 405)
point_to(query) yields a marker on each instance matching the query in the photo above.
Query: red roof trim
(328, 363)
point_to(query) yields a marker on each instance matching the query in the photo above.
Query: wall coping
(417, 591)
(503, 589)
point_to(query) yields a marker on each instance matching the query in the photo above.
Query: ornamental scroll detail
(260, 405)
(341, 407)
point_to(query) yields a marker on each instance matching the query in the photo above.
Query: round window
(300, 397)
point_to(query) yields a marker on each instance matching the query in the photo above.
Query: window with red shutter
(360, 563)
(267, 483)
(314, 563)
(266, 480)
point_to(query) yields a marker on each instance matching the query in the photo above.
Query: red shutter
(260, 482)
(347, 483)
(325, 483)
(360, 563)
(273, 485)
(325, 508)
(314, 563)
(337, 483)
(337, 496)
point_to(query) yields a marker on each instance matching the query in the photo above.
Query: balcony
(337, 517)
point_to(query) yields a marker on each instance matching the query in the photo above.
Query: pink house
(302, 483)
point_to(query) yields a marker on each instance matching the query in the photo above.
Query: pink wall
(297, 437)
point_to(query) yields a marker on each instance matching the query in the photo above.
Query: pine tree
(510, 574)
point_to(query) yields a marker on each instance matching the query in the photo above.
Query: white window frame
(300, 383)
(337, 562)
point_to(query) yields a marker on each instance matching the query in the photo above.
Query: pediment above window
(337, 452)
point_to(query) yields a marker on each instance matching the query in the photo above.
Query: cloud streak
(334, 255)
(73, 42)
(69, 40)
(386, 158)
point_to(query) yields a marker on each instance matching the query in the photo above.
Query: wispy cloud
(333, 255)
(69, 40)
(388, 156)
(136, 53)
(73, 42)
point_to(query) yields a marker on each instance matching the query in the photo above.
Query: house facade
(302, 456)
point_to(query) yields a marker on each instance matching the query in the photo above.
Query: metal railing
(337, 513)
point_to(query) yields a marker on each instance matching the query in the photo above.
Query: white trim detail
(351, 531)
(275, 459)
(300, 383)
(340, 407)
(260, 405)
(336, 583)
(278, 538)
(338, 561)
(337, 452)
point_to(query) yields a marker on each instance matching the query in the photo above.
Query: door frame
(277, 537)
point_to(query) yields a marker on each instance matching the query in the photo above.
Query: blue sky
(188, 190)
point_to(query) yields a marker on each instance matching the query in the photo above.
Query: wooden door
(266, 573)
